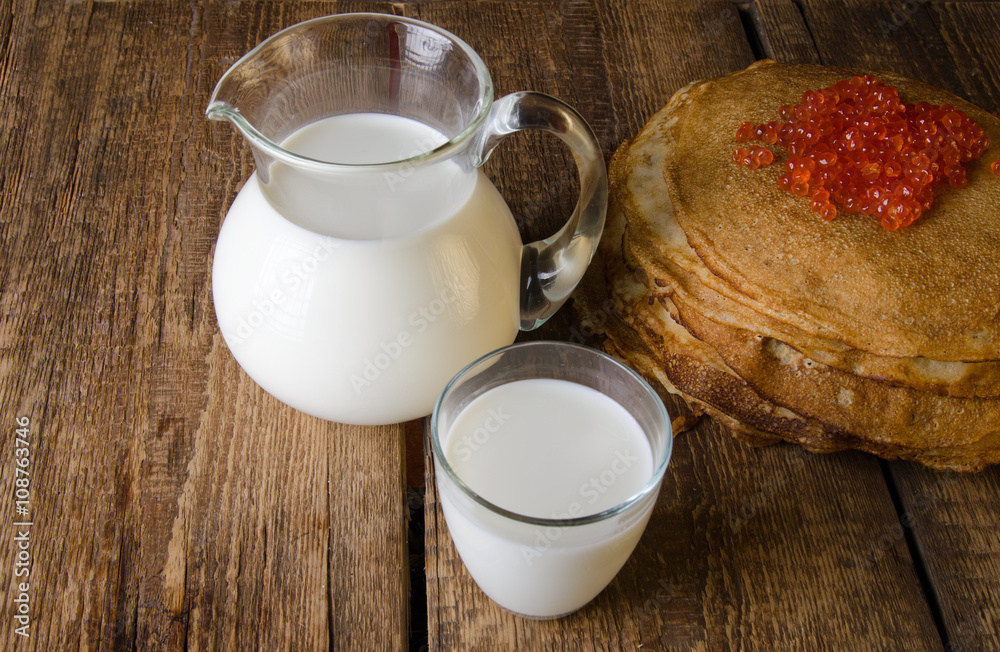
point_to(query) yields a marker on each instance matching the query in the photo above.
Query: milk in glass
(549, 449)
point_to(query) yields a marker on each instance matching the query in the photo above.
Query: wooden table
(175, 504)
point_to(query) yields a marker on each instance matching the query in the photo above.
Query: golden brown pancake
(930, 290)
(738, 297)
(662, 247)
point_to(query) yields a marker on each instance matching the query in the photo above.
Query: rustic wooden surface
(177, 505)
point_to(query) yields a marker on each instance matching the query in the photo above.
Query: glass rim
(659, 467)
(219, 110)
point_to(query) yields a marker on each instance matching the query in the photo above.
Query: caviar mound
(727, 291)
(856, 144)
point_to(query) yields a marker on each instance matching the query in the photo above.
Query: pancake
(736, 296)
(929, 290)
(662, 247)
(907, 417)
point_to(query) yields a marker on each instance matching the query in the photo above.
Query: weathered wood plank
(783, 32)
(175, 503)
(949, 518)
(747, 548)
(77, 272)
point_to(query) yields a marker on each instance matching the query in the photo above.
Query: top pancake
(930, 290)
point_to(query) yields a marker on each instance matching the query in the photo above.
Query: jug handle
(552, 268)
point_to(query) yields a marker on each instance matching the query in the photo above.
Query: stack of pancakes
(836, 335)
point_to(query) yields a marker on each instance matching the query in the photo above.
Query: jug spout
(262, 93)
(275, 89)
(221, 110)
(261, 146)
(257, 96)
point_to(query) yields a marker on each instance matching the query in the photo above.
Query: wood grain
(175, 503)
(784, 34)
(948, 519)
(756, 549)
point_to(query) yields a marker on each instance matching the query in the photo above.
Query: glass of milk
(549, 458)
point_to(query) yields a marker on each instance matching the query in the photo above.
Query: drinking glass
(546, 567)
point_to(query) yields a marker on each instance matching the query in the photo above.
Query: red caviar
(745, 132)
(995, 166)
(857, 144)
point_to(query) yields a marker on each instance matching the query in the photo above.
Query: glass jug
(368, 259)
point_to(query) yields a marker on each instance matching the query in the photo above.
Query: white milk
(551, 449)
(363, 311)
(359, 138)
